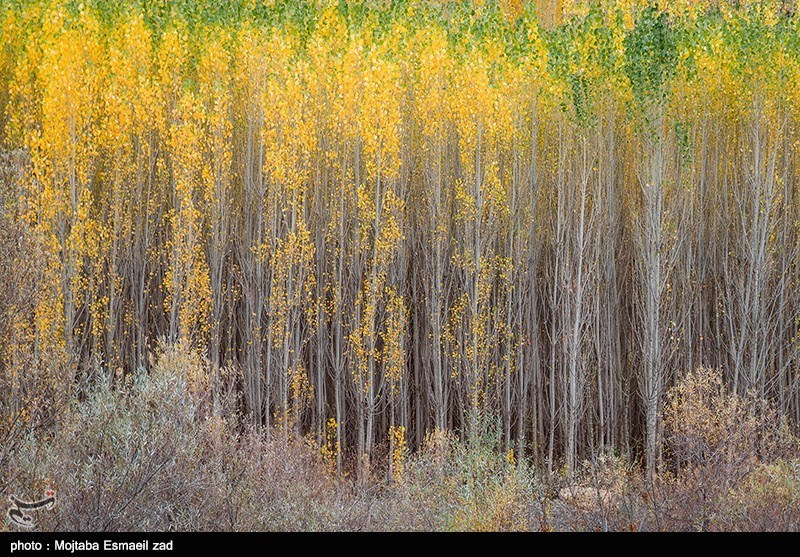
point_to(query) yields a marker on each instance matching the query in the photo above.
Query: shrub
(609, 495)
(768, 500)
(122, 459)
(152, 453)
(715, 441)
(29, 397)
(449, 485)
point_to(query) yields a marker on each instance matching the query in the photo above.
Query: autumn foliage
(367, 225)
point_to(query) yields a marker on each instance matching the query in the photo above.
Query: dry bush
(424, 497)
(277, 484)
(716, 443)
(452, 486)
(121, 460)
(151, 453)
(768, 500)
(27, 396)
(731, 466)
(608, 494)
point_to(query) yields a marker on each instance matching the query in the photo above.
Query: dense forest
(370, 225)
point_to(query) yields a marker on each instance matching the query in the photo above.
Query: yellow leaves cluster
(301, 394)
(293, 280)
(289, 134)
(373, 93)
(394, 352)
(390, 233)
(398, 450)
(434, 73)
(215, 89)
(171, 58)
(331, 447)
(187, 281)
(128, 95)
